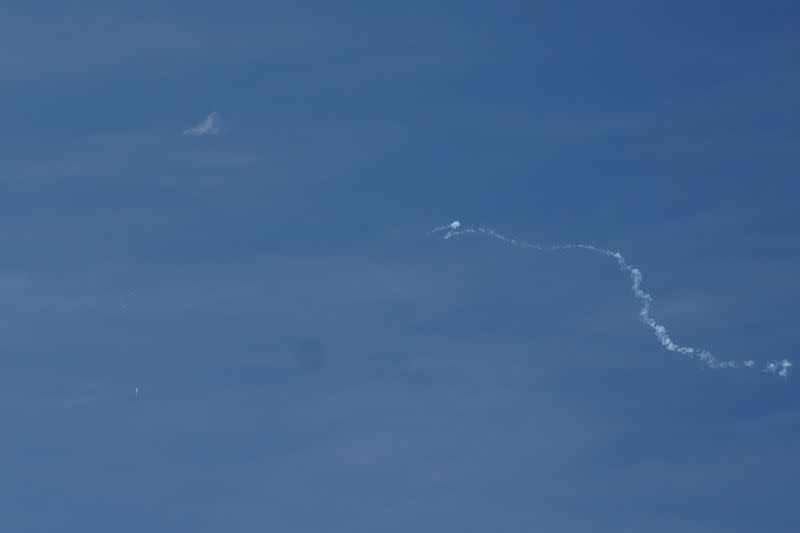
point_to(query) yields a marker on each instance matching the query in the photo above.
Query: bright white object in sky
(209, 126)
(781, 367)
(453, 226)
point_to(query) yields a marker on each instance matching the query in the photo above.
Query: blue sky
(309, 359)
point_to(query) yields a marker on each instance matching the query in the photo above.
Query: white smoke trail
(781, 367)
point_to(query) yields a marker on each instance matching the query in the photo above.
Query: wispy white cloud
(209, 126)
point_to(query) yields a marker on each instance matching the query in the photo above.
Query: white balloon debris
(450, 229)
(209, 126)
(780, 367)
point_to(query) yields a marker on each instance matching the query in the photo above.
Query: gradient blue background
(309, 359)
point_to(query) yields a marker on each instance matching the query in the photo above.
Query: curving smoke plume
(781, 367)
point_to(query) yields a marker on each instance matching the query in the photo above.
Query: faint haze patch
(593, 127)
(140, 44)
(309, 354)
(125, 299)
(12, 280)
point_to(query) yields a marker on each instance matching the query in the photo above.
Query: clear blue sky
(309, 360)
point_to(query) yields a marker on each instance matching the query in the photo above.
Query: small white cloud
(209, 126)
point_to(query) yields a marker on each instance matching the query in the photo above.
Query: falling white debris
(780, 368)
(209, 126)
(454, 225)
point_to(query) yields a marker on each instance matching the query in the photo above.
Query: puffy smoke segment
(780, 368)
